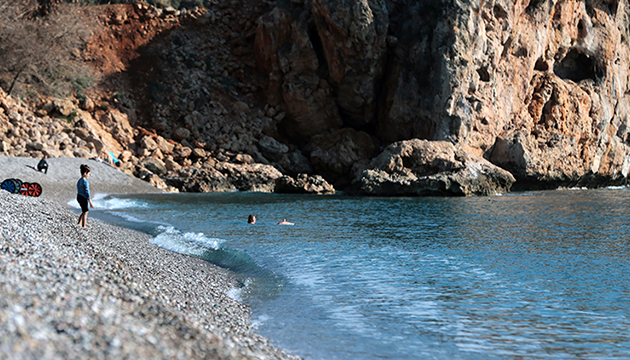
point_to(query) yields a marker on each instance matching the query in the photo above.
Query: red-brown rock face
(538, 87)
(554, 84)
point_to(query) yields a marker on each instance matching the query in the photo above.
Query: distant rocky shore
(182, 166)
(220, 143)
(61, 128)
(105, 292)
(309, 97)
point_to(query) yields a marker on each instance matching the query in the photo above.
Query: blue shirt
(83, 188)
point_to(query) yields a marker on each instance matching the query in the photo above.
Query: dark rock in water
(304, 184)
(422, 168)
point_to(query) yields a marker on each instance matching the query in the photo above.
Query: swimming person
(251, 219)
(285, 222)
(83, 193)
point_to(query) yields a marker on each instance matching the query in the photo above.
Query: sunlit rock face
(536, 87)
(422, 167)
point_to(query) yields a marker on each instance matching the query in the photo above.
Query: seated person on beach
(251, 219)
(108, 158)
(99, 158)
(285, 222)
(43, 165)
(114, 161)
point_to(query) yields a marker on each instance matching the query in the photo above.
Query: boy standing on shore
(83, 193)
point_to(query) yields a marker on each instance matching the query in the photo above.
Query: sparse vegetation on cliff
(37, 51)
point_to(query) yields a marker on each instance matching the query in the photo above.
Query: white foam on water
(106, 202)
(235, 294)
(260, 320)
(620, 187)
(189, 243)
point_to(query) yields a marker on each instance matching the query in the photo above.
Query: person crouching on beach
(43, 165)
(83, 194)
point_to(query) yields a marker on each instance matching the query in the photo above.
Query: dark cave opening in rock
(484, 75)
(577, 66)
(318, 47)
(541, 65)
(581, 29)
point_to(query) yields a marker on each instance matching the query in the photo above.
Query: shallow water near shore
(533, 275)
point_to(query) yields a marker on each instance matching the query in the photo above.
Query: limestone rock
(86, 104)
(334, 155)
(171, 165)
(148, 143)
(36, 145)
(198, 153)
(271, 148)
(183, 152)
(154, 165)
(125, 156)
(98, 144)
(252, 177)
(15, 117)
(181, 134)
(81, 153)
(244, 159)
(303, 184)
(550, 77)
(165, 146)
(83, 134)
(203, 180)
(156, 181)
(64, 107)
(353, 35)
(5, 146)
(295, 163)
(421, 167)
(284, 50)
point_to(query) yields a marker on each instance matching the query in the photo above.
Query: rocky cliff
(242, 94)
(537, 87)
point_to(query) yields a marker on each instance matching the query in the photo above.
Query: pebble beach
(105, 292)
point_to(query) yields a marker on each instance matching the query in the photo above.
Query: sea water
(540, 275)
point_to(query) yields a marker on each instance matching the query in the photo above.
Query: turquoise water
(528, 275)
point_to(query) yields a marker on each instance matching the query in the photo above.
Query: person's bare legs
(82, 219)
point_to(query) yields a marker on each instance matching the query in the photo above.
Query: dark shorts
(83, 202)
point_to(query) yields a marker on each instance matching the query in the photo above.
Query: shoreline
(106, 292)
(59, 183)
